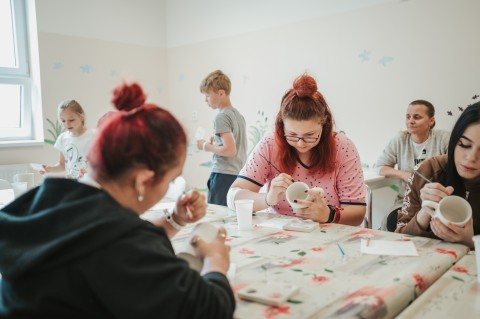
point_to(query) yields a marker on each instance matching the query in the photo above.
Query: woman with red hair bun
(305, 148)
(78, 249)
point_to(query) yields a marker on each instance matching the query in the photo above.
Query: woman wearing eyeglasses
(304, 148)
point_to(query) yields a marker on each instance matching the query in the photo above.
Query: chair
(367, 220)
(390, 221)
(4, 184)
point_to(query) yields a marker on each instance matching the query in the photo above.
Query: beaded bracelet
(170, 220)
(267, 202)
(337, 214)
(334, 214)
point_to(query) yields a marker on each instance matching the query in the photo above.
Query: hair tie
(132, 112)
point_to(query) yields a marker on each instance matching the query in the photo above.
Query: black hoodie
(69, 250)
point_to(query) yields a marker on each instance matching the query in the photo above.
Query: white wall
(421, 49)
(192, 21)
(140, 22)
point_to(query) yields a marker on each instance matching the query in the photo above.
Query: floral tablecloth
(332, 285)
(455, 295)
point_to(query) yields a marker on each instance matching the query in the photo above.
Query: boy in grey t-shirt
(229, 144)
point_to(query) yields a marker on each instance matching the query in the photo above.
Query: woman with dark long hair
(456, 173)
(304, 147)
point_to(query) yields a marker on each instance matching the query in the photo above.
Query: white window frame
(27, 74)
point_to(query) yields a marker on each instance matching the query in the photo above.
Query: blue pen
(341, 250)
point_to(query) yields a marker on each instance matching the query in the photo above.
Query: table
(330, 284)
(455, 295)
(374, 180)
(6, 196)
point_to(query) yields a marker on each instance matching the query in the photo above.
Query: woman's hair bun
(305, 85)
(127, 97)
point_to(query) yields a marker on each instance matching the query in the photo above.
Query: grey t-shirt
(227, 120)
(400, 152)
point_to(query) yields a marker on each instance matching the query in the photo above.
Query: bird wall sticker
(461, 108)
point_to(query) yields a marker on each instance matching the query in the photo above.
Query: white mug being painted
(205, 231)
(453, 209)
(297, 191)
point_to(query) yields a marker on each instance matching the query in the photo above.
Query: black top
(69, 250)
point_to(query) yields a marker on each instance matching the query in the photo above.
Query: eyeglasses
(297, 139)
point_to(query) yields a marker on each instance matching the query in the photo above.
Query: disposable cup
(19, 188)
(244, 210)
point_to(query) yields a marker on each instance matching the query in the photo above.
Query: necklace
(419, 150)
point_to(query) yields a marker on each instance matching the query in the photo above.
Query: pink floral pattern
(447, 252)
(420, 282)
(460, 269)
(271, 312)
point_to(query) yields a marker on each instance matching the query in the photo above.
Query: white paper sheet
(388, 247)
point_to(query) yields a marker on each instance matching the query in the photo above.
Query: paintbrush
(270, 163)
(423, 177)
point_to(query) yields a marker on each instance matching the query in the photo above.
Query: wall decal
(86, 68)
(258, 130)
(57, 66)
(385, 59)
(365, 55)
(461, 108)
(55, 130)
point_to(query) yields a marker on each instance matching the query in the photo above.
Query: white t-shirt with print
(75, 150)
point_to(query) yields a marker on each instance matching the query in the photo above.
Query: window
(20, 100)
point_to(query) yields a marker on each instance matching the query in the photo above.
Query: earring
(140, 197)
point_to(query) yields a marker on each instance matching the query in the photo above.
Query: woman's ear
(142, 178)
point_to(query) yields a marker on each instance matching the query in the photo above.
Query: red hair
(303, 102)
(140, 135)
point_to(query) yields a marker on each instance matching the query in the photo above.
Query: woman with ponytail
(78, 249)
(305, 148)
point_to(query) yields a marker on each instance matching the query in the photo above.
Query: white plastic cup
(206, 232)
(476, 241)
(244, 210)
(297, 191)
(25, 177)
(19, 188)
(453, 209)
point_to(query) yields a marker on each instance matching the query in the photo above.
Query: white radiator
(8, 170)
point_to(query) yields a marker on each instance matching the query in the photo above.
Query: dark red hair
(140, 135)
(303, 102)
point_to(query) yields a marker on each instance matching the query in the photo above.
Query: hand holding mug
(453, 233)
(315, 206)
(215, 254)
(451, 210)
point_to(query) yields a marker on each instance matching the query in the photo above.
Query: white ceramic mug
(206, 232)
(298, 190)
(244, 210)
(25, 177)
(453, 209)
